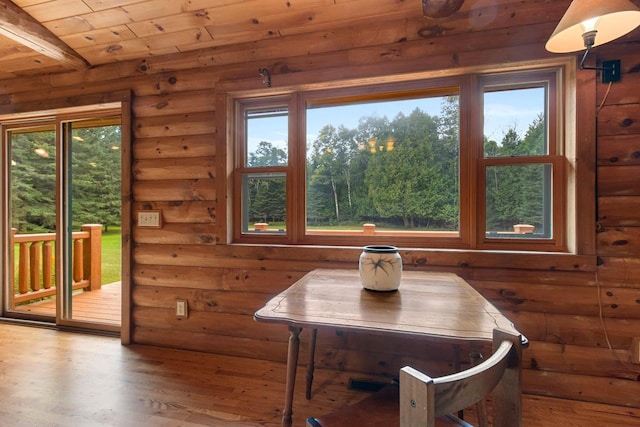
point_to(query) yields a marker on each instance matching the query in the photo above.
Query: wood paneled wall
(580, 320)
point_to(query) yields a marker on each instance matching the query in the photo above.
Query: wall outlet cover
(635, 350)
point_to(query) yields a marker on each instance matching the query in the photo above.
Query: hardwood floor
(53, 378)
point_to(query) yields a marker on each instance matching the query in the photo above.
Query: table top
(427, 304)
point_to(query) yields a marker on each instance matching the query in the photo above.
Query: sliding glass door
(62, 259)
(91, 199)
(31, 164)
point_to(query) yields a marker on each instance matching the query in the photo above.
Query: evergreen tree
(266, 196)
(95, 176)
(267, 155)
(515, 194)
(33, 182)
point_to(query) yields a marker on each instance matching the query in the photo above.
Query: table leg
(311, 364)
(292, 364)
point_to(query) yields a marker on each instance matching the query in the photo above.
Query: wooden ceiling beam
(21, 27)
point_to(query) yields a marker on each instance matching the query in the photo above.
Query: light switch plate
(182, 309)
(150, 219)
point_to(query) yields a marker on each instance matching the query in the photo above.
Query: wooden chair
(427, 402)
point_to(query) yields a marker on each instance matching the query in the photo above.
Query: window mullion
(470, 150)
(297, 167)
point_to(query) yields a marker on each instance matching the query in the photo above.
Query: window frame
(403, 90)
(240, 169)
(554, 156)
(471, 163)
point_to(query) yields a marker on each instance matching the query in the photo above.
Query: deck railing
(35, 263)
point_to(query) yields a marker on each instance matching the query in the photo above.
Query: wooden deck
(101, 306)
(91, 380)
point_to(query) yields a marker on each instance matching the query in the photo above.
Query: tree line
(402, 173)
(94, 176)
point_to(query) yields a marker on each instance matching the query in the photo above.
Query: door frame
(59, 110)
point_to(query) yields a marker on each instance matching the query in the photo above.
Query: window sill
(340, 256)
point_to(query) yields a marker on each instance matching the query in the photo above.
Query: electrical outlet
(635, 350)
(182, 309)
(149, 219)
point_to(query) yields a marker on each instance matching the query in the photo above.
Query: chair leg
(481, 406)
(457, 367)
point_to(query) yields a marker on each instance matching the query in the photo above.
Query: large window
(467, 162)
(392, 163)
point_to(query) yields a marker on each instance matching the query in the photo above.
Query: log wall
(580, 319)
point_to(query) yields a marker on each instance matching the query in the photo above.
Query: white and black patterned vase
(380, 268)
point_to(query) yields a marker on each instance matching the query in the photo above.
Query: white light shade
(614, 18)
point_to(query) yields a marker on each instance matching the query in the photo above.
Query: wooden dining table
(433, 305)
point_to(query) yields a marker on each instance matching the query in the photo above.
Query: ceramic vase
(380, 268)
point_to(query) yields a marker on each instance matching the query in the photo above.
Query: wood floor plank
(101, 305)
(53, 378)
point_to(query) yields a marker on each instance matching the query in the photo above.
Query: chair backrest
(423, 399)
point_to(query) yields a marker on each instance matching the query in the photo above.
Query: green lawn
(111, 255)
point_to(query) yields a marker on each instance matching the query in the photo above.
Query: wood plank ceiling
(58, 35)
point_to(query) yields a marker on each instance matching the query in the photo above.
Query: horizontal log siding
(618, 247)
(580, 319)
